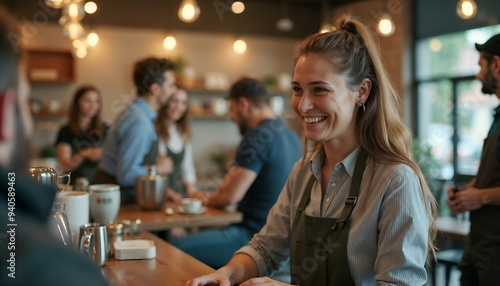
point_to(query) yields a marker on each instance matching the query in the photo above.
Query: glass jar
(59, 225)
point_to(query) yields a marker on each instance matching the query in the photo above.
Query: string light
(90, 7)
(92, 38)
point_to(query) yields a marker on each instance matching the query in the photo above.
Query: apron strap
(307, 193)
(352, 199)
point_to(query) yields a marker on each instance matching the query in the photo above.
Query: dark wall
(437, 17)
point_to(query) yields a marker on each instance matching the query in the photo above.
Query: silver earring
(361, 103)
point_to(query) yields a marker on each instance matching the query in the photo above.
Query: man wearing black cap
(263, 162)
(480, 264)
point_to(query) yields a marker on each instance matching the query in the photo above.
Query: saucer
(182, 210)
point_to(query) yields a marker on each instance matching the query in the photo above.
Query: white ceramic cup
(77, 210)
(191, 204)
(104, 202)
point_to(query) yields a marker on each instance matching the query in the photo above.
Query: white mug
(104, 202)
(77, 210)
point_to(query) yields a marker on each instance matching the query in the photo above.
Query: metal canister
(81, 184)
(115, 230)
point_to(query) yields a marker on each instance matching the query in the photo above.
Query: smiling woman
(359, 190)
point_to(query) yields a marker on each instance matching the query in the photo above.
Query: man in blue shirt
(263, 161)
(131, 143)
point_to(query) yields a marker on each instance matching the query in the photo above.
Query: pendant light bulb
(466, 9)
(189, 11)
(386, 26)
(169, 43)
(238, 7)
(239, 46)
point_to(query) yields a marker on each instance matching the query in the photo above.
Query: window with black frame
(453, 115)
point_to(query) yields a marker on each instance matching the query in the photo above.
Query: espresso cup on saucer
(104, 202)
(191, 205)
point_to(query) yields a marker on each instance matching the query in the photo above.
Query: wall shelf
(50, 66)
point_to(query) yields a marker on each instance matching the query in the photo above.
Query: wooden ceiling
(259, 18)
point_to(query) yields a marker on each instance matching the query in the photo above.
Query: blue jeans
(214, 246)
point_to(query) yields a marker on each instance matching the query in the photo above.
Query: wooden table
(170, 267)
(159, 220)
(453, 228)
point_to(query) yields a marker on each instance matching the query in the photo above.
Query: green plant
(180, 64)
(422, 153)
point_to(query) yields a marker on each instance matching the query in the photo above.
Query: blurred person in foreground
(264, 158)
(132, 142)
(78, 143)
(356, 210)
(30, 255)
(480, 263)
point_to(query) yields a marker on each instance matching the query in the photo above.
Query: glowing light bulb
(92, 38)
(386, 26)
(73, 30)
(56, 4)
(74, 12)
(189, 11)
(169, 43)
(239, 46)
(238, 7)
(90, 7)
(80, 52)
(466, 9)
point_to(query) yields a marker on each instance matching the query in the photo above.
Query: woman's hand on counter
(200, 195)
(173, 196)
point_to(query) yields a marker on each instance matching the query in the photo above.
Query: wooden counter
(453, 228)
(159, 220)
(171, 267)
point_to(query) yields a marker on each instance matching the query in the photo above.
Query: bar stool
(450, 258)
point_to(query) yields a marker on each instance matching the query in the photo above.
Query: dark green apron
(174, 178)
(127, 193)
(319, 244)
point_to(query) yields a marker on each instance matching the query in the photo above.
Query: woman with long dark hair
(78, 143)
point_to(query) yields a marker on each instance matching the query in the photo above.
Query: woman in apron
(174, 133)
(174, 140)
(356, 210)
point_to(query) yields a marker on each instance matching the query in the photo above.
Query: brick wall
(396, 49)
